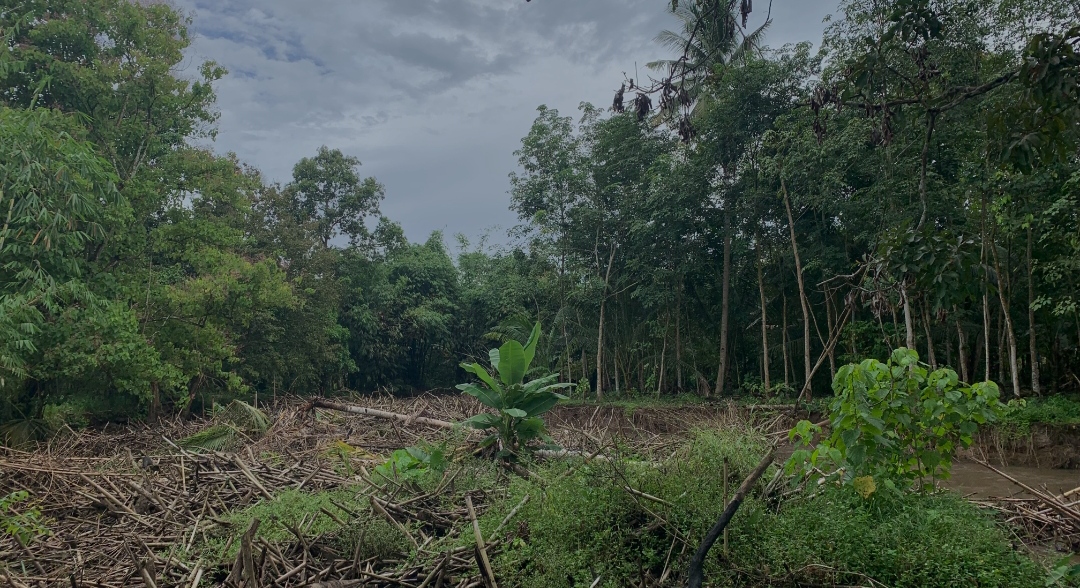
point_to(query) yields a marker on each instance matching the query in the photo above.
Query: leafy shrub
(412, 462)
(24, 526)
(519, 403)
(585, 524)
(895, 423)
(1052, 410)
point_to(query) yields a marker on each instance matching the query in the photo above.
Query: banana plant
(519, 403)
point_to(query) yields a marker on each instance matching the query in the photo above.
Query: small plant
(894, 425)
(24, 526)
(519, 403)
(412, 462)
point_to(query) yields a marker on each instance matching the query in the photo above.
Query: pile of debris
(130, 506)
(1046, 518)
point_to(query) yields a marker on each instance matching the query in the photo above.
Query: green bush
(1052, 410)
(917, 541)
(585, 525)
(894, 424)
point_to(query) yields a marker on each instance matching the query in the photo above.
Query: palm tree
(711, 36)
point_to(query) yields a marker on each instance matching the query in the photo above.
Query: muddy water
(980, 483)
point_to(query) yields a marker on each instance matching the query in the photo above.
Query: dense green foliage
(895, 424)
(913, 184)
(587, 525)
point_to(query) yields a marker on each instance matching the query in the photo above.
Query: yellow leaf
(865, 486)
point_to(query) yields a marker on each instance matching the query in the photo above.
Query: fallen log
(382, 414)
(697, 564)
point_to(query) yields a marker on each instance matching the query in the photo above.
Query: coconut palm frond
(213, 438)
(232, 422)
(752, 42)
(245, 416)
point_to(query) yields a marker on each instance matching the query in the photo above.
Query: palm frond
(246, 417)
(232, 422)
(213, 438)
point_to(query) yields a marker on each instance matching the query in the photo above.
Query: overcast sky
(433, 96)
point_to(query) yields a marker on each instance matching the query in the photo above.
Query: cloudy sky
(433, 96)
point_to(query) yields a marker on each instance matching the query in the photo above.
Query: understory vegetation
(583, 524)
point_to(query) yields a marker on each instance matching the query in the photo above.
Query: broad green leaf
(484, 420)
(537, 404)
(512, 363)
(530, 345)
(515, 412)
(534, 385)
(493, 356)
(475, 368)
(485, 396)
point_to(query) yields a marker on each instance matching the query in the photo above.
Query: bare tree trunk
(929, 335)
(963, 351)
(984, 258)
(764, 330)
(802, 294)
(980, 347)
(600, 330)
(154, 411)
(784, 344)
(830, 320)
(1001, 347)
(721, 370)
(909, 327)
(663, 355)
(678, 343)
(584, 366)
(1003, 283)
(1032, 343)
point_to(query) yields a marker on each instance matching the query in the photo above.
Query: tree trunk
(963, 352)
(909, 327)
(1034, 350)
(784, 343)
(721, 370)
(584, 366)
(663, 355)
(802, 295)
(154, 412)
(931, 118)
(984, 258)
(929, 335)
(1001, 348)
(1003, 283)
(678, 345)
(764, 331)
(600, 330)
(830, 319)
(980, 348)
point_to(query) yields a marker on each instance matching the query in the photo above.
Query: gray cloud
(432, 95)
